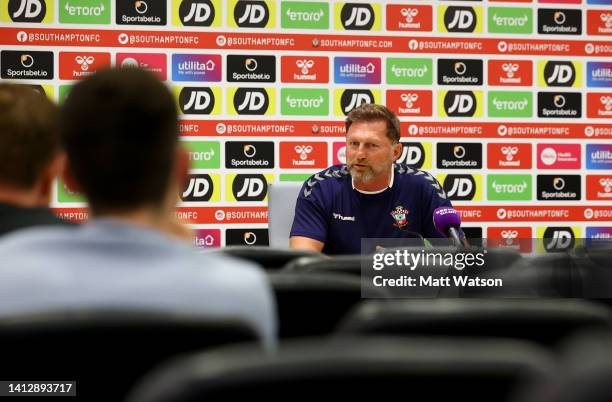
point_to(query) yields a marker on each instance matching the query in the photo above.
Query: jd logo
(250, 187)
(460, 103)
(460, 186)
(195, 100)
(357, 16)
(251, 14)
(413, 155)
(199, 188)
(351, 98)
(251, 101)
(197, 13)
(558, 239)
(559, 74)
(460, 19)
(27, 10)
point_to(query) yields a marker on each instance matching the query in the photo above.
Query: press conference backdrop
(507, 103)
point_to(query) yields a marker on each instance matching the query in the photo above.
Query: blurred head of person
(119, 129)
(372, 145)
(30, 151)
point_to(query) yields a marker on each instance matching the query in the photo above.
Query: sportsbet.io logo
(26, 65)
(141, 12)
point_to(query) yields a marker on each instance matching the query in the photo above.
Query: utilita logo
(141, 12)
(459, 72)
(304, 69)
(299, 155)
(27, 10)
(196, 13)
(410, 103)
(409, 17)
(599, 74)
(357, 70)
(559, 105)
(509, 156)
(77, 65)
(510, 72)
(26, 65)
(249, 155)
(196, 67)
(599, 105)
(599, 156)
(559, 22)
(251, 68)
(207, 238)
(599, 187)
(155, 63)
(558, 156)
(599, 22)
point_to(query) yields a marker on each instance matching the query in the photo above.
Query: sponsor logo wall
(509, 106)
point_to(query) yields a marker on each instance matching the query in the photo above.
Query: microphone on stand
(448, 222)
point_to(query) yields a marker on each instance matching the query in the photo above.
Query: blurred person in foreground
(370, 196)
(119, 129)
(30, 157)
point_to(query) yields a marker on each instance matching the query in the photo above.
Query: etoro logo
(509, 156)
(351, 98)
(510, 104)
(304, 15)
(29, 11)
(251, 101)
(509, 187)
(559, 74)
(199, 100)
(304, 69)
(27, 65)
(409, 17)
(304, 101)
(196, 13)
(459, 19)
(77, 65)
(357, 16)
(248, 187)
(140, 12)
(249, 155)
(599, 105)
(203, 154)
(409, 71)
(251, 14)
(510, 20)
(460, 103)
(303, 155)
(200, 188)
(84, 11)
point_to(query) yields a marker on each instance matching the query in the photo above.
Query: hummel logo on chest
(343, 218)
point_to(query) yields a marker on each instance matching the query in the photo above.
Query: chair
(269, 258)
(342, 264)
(282, 197)
(352, 369)
(105, 351)
(313, 304)
(544, 321)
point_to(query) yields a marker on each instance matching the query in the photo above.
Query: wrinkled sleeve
(311, 217)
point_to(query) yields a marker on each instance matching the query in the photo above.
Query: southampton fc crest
(401, 216)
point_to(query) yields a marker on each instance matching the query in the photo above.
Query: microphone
(448, 222)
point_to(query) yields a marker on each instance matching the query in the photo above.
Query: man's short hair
(28, 134)
(372, 112)
(119, 128)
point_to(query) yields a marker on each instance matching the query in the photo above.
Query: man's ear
(397, 151)
(69, 180)
(53, 169)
